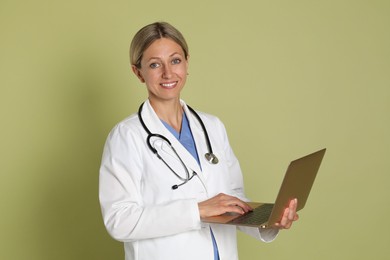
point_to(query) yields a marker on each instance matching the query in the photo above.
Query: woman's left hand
(289, 216)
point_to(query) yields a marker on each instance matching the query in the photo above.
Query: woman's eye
(176, 61)
(154, 65)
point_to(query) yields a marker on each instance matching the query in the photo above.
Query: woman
(153, 196)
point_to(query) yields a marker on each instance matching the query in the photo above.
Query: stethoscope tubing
(150, 134)
(206, 135)
(211, 158)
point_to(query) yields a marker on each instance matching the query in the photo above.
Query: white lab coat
(141, 209)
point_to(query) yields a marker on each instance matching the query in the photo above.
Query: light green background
(286, 77)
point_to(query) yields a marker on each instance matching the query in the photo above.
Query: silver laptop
(297, 183)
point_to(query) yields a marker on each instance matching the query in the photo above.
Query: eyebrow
(158, 58)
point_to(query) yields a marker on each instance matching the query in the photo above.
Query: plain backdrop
(286, 77)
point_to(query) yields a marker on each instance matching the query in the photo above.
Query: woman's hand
(221, 204)
(289, 216)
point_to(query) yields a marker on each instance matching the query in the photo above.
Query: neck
(170, 112)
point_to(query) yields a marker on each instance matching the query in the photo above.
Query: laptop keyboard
(258, 216)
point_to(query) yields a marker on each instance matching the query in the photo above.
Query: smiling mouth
(169, 85)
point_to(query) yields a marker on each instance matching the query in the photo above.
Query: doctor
(167, 166)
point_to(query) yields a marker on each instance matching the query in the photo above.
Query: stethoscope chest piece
(211, 158)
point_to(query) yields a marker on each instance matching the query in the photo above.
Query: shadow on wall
(69, 217)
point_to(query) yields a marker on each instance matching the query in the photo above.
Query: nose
(167, 71)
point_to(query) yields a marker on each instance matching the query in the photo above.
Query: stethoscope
(210, 156)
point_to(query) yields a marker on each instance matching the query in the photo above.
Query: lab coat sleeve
(266, 235)
(120, 182)
(237, 186)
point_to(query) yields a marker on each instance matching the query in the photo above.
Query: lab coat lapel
(199, 137)
(157, 127)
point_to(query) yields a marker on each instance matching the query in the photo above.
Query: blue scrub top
(186, 138)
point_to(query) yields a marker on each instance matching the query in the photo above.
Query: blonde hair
(148, 34)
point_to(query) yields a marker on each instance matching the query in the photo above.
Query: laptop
(297, 183)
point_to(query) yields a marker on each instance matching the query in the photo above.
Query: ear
(138, 73)
(187, 62)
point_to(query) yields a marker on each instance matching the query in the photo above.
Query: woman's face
(163, 70)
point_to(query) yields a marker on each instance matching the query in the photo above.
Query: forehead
(161, 48)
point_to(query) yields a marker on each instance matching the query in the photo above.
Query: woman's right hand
(221, 204)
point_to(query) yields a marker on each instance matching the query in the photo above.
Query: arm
(125, 214)
(235, 202)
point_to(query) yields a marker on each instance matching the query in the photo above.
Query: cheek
(151, 77)
(182, 71)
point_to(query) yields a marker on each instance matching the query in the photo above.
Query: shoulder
(209, 118)
(211, 121)
(203, 115)
(126, 127)
(128, 122)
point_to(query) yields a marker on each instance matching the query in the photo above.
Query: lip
(169, 85)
